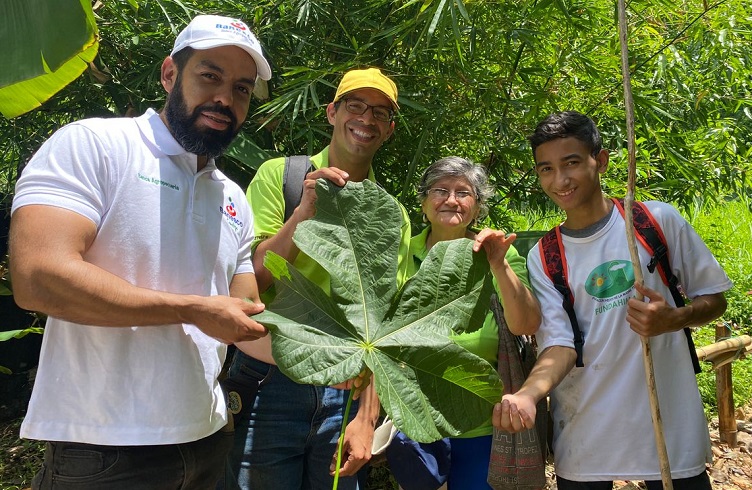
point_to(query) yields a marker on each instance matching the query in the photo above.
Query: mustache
(218, 108)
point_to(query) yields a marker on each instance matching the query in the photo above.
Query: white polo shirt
(160, 225)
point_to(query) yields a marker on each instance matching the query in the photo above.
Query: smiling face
(357, 137)
(208, 98)
(451, 213)
(570, 176)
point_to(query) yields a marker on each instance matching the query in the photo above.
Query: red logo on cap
(238, 25)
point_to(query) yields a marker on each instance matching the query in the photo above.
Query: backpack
(650, 235)
(296, 169)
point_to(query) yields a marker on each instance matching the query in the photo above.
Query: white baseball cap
(212, 31)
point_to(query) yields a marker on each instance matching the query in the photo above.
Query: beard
(182, 125)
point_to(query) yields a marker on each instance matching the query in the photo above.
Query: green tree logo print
(610, 278)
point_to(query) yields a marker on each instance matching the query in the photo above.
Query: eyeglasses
(380, 112)
(441, 194)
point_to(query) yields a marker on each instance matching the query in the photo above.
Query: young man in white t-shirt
(138, 249)
(601, 413)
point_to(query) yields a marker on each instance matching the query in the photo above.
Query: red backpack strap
(651, 236)
(554, 262)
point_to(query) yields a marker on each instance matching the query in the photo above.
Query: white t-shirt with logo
(601, 412)
(160, 225)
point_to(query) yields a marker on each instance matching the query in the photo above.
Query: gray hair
(458, 167)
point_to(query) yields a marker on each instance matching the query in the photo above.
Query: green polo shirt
(483, 342)
(268, 204)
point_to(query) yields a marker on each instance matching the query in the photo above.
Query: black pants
(193, 465)
(699, 482)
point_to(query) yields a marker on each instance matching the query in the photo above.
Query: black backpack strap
(296, 169)
(649, 232)
(552, 256)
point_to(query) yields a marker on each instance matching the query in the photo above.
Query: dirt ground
(732, 467)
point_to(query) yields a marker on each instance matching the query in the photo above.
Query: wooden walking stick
(647, 356)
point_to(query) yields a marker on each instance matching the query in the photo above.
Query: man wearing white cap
(287, 437)
(138, 249)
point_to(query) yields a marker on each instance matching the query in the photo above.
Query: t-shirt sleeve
(555, 328)
(245, 262)
(267, 201)
(71, 171)
(694, 265)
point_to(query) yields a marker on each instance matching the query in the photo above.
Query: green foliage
(430, 386)
(50, 59)
(474, 78)
(727, 230)
(17, 334)
(741, 375)
(20, 458)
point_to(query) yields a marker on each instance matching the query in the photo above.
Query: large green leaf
(46, 45)
(358, 244)
(430, 386)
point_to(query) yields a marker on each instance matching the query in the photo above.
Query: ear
(602, 159)
(331, 113)
(423, 206)
(390, 131)
(169, 74)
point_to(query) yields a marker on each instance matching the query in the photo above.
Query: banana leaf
(46, 45)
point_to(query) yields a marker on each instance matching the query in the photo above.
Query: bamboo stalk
(647, 357)
(724, 394)
(735, 344)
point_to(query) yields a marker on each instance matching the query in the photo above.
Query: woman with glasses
(453, 193)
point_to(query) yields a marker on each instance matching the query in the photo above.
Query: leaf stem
(341, 442)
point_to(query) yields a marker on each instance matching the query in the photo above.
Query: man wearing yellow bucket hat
(287, 434)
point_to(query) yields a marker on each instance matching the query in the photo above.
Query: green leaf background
(48, 44)
(430, 386)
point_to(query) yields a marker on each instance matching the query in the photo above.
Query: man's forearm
(77, 291)
(550, 369)
(703, 310)
(521, 308)
(50, 275)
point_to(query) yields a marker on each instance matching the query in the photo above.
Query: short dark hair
(564, 125)
(181, 57)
